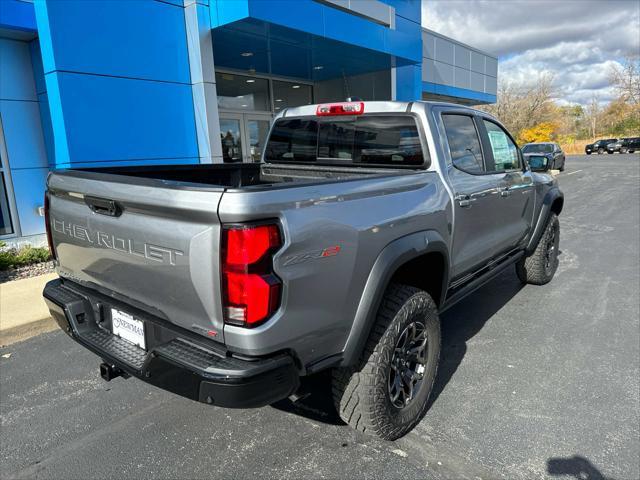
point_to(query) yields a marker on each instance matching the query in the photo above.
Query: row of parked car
(612, 145)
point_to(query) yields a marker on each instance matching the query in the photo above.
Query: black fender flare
(394, 255)
(545, 211)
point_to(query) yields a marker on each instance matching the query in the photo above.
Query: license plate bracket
(126, 326)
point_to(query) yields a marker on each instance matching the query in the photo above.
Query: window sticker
(500, 146)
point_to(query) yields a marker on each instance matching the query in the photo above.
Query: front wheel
(588, 153)
(540, 267)
(623, 150)
(600, 151)
(386, 393)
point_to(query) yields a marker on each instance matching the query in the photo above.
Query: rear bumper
(175, 361)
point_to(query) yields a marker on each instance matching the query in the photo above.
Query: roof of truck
(373, 106)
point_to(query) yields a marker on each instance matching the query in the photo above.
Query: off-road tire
(535, 269)
(361, 393)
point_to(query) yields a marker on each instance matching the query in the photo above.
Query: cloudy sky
(575, 40)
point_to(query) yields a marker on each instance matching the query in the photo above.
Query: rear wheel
(540, 267)
(386, 393)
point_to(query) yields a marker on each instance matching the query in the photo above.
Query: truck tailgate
(150, 243)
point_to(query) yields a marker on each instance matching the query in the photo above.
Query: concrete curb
(28, 330)
(23, 312)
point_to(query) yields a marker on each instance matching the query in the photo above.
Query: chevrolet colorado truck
(228, 283)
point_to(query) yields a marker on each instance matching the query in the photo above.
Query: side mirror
(538, 163)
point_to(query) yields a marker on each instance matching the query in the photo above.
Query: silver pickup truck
(228, 283)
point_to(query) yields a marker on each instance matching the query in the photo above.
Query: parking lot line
(576, 171)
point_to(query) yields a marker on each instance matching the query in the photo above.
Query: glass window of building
(291, 94)
(5, 215)
(238, 92)
(5, 219)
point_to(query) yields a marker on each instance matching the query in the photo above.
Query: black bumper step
(179, 365)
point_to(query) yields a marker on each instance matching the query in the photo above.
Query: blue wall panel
(36, 62)
(135, 39)
(309, 16)
(118, 81)
(410, 28)
(21, 124)
(47, 132)
(408, 83)
(409, 9)
(28, 187)
(111, 118)
(17, 82)
(348, 28)
(17, 15)
(23, 135)
(306, 15)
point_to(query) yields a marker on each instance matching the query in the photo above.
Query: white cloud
(577, 41)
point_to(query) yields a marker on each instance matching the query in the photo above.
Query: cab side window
(505, 152)
(464, 143)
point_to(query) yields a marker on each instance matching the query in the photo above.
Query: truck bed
(241, 175)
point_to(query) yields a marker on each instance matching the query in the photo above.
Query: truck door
(476, 198)
(514, 214)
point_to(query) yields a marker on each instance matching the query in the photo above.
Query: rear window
(368, 140)
(538, 148)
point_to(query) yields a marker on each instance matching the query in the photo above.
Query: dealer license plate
(127, 327)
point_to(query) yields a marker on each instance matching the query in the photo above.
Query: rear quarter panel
(321, 294)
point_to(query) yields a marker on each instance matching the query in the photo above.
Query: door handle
(465, 200)
(505, 192)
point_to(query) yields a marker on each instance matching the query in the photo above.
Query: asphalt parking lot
(535, 382)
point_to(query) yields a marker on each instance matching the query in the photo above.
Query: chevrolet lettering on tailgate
(129, 246)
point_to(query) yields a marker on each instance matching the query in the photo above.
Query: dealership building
(142, 82)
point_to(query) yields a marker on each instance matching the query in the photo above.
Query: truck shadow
(459, 324)
(464, 320)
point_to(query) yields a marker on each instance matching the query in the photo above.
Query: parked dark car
(624, 145)
(599, 146)
(551, 150)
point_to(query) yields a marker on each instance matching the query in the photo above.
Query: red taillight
(251, 289)
(349, 108)
(47, 225)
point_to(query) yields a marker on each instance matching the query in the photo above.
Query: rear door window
(374, 140)
(464, 143)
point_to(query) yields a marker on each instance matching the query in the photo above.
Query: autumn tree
(541, 132)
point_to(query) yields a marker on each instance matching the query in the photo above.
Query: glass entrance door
(242, 136)
(231, 133)
(257, 127)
